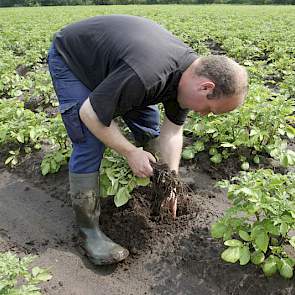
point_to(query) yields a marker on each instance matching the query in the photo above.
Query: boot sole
(101, 262)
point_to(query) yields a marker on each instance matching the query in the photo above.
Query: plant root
(165, 185)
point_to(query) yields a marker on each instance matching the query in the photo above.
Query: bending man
(119, 65)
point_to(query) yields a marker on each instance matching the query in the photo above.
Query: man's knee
(86, 157)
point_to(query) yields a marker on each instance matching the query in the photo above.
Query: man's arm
(138, 159)
(171, 144)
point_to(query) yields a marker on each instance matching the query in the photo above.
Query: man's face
(220, 105)
(192, 94)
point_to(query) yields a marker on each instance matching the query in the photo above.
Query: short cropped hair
(228, 76)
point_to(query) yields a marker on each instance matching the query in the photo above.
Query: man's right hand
(138, 159)
(139, 162)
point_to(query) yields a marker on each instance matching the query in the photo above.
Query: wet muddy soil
(166, 256)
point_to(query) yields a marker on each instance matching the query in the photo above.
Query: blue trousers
(71, 93)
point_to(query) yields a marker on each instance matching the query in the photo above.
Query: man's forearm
(171, 141)
(111, 136)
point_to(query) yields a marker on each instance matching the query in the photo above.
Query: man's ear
(208, 85)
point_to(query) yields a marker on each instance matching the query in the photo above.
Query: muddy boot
(85, 201)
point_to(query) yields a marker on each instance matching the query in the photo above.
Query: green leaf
(113, 188)
(218, 230)
(272, 229)
(231, 254)
(199, 146)
(122, 197)
(20, 137)
(58, 157)
(261, 241)
(213, 151)
(245, 166)
(105, 183)
(244, 235)
(44, 276)
(256, 159)
(41, 274)
(257, 257)
(286, 270)
(17, 93)
(188, 153)
(228, 234)
(233, 243)
(131, 184)
(142, 181)
(228, 145)
(269, 267)
(33, 134)
(217, 158)
(9, 159)
(292, 241)
(256, 230)
(211, 130)
(284, 228)
(28, 150)
(290, 131)
(244, 255)
(247, 191)
(45, 168)
(285, 160)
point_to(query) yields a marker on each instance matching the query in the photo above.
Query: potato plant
(17, 277)
(246, 128)
(259, 227)
(28, 131)
(116, 178)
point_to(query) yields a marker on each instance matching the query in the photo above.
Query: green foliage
(53, 161)
(116, 178)
(7, 3)
(30, 131)
(19, 125)
(258, 226)
(18, 278)
(254, 36)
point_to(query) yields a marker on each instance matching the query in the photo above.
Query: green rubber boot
(100, 249)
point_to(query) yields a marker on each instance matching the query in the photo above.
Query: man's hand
(139, 162)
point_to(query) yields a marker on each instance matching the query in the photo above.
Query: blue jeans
(71, 93)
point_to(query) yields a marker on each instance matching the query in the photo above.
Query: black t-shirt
(127, 62)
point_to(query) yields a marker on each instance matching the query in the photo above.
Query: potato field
(235, 229)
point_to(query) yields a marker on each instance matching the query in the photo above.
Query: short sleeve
(121, 91)
(174, 112)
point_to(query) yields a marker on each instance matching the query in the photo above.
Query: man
(119, 65)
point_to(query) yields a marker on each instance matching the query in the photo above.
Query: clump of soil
(136, 228)
(165, 184)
